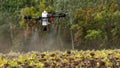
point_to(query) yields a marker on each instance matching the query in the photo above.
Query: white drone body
(45, 19)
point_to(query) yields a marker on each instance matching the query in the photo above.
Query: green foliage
(33, 11)
(98, 17)
(58, 59)
(97, 20)
(93, 34)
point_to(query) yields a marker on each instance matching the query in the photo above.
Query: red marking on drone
(51, 18)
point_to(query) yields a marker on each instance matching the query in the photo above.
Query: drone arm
(37, 18)
(27, 17)
(34, 18)
(60, 15)
(40, 18)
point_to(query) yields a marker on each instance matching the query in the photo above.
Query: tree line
(89, 23)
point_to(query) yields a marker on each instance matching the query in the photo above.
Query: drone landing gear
(45, 28)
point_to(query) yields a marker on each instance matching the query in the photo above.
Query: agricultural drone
(45, 18)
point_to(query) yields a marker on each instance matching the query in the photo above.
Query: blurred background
(90, 24)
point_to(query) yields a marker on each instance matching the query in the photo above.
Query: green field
(62, 59)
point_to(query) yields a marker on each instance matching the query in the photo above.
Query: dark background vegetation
(90, 24)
